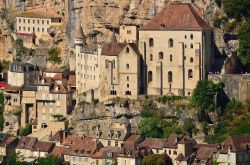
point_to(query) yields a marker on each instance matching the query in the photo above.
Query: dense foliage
(157, 159)
(26, 130)
(204, 95)
(236, 8)
(244, 36)
(54, 55)
(18, 159)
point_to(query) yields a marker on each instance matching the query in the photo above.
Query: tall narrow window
(127, 50)
(190, 73)
(151, 42)
(151, 57)
(161, 55)
(191, 46)
(127, 66)
(170, 77)
(171, 58)
(191, 36)
(170, 43)
(150, 76)
(191, 60)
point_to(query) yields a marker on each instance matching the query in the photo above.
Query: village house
(234, 150)
(113, 134)
(177, 147)
(129, 33)
(52, 99)
(34, 25)
(31, 148)
(176, 47)
(20, 74)
(7, 146)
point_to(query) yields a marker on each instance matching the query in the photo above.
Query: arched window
(127, 50)
(170, 43)
(191, 46)
(151, 57)
(171, 58)
(127, 85)
(190, 73)
(170, 77)
(191, 36)
(161, 55)
(150, 76)
(151, 42)
(127, 78)
(191, 60)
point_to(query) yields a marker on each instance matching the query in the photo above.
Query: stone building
(33, 25)
(7, 146)
(20, 74)
(108, 70)
(52, 99)
(176, 46)
(129, 34)
(114, 134)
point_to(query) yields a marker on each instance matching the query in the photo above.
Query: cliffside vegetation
(237, 20)
(205, 112)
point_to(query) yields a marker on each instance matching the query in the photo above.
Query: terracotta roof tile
(177, 17)
(26, 142)
(10, 88)
(112, 49)
(154, 143)
(72, 80)
(205, 151)
(58, 150)
(134, 138)
(237, 143)
(43, 146)
(58, 76)
(102, 153)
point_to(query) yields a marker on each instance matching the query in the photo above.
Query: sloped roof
(154, 143)
(26, 142)
(78, 34)
(39, 13)
(237, 143)
(43, 146)
(114, 48)
(177, 16)
(58, 150)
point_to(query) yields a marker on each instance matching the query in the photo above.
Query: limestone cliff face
(100, 17)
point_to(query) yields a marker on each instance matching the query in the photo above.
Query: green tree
(244, 36)
(15, 159)
(50, 160)
(151, 127)
(26, 130)
(236, 8)
(157, 159)
(204, 94)
(189, 126)
(54, 55)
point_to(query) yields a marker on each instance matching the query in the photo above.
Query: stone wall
(237, 86)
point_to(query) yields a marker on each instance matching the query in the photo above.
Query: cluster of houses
(168, 55)
(130, 150)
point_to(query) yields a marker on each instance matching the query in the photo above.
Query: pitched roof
(26, 142)
(237, 143)
(43, 146)
(205, 151)
(115, 48)
(8, 140)
(39, 13)
(58, 76)
(78, 34)
(58, 150)
(104, 152)
(177, 16)
(10, 88)
(154, 143)
(134, 138)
